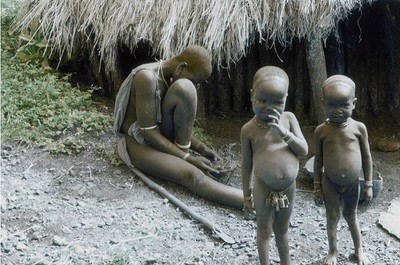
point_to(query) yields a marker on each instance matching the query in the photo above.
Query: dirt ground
(80, 209)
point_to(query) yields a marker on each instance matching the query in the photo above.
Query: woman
(154, 115)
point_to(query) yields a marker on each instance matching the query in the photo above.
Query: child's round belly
(277, 169)
(342, 171)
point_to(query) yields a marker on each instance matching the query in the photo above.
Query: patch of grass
(110, 153)
(39, 105)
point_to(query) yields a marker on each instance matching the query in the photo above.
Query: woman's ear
(181, 67)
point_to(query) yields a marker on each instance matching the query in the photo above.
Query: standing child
(342, 150)
(271, 144)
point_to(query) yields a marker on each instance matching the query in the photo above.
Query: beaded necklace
(262, 126)
(162, 74)
(339, 125)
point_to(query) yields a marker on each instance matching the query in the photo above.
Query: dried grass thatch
(225, 27)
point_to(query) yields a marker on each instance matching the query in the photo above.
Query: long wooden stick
(185, 208)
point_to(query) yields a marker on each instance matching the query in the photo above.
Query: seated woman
(155, 110)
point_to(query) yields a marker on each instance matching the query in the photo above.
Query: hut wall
(367, 52)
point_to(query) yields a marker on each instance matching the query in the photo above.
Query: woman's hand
(211, 154)
(202, 163)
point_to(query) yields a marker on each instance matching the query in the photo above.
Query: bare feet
(360, 258)
(249, 215)
(331, 258)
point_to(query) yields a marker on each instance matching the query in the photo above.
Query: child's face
(339, 103)
(267, 96)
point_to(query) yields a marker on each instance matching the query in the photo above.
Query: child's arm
(292, 135)
(318, 196)
(366, 163)
(298, 144)
(247, 167)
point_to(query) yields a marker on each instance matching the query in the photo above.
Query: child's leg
(331, 200)
(265, 215)
(350, 203)
(281, 226)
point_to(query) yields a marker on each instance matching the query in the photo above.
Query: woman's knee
(194, 179)
(183, 89)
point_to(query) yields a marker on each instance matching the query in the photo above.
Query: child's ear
(354, 102)
(181, 67)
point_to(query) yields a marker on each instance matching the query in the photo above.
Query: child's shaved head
(268, 73)
(339, 81)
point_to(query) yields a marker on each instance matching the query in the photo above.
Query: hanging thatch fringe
(225, 27)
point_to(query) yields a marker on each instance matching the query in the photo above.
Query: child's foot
(249, 215)
(331, 258)
(360, 258)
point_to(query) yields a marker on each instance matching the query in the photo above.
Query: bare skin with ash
(342, 151)
(168, 140)
(271, 144)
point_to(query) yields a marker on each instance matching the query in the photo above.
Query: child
(271, 144)
(342, 150)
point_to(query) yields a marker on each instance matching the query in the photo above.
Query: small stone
(20, 246)
(66, 230)
(3, 204)
(387, 145)
(134, 217)
(59, 241)
(40, 261)
(114, 241)
(81, 204)
(109, 221)
(101, 224)
(82, 190)
(79, 249)
(6, 247)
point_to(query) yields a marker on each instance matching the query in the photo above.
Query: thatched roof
(226, 27)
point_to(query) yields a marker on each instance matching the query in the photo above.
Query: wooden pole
(185, 208)
(317, 71)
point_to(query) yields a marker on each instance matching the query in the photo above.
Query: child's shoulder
(358, 124)
(287, 114)
(248, 126)
(250, 123)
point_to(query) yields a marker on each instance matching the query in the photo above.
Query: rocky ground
(80, 209)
